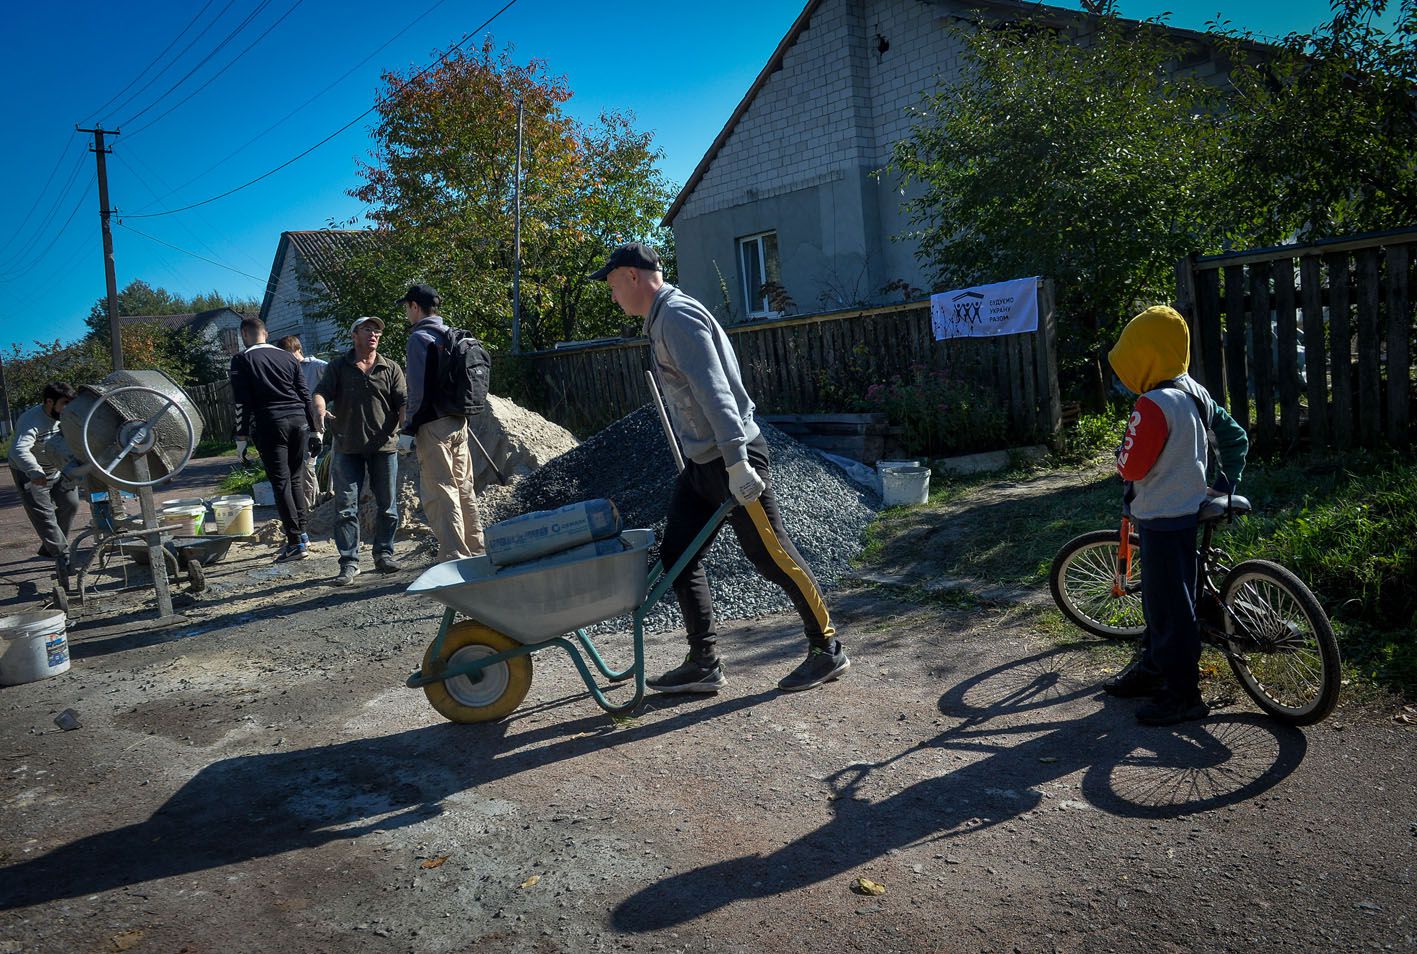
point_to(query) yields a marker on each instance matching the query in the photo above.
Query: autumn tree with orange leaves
(440, 195)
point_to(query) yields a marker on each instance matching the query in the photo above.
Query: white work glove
(745, 483)
(405, 443)
(241, 446)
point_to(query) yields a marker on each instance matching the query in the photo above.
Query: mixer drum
(107, 433)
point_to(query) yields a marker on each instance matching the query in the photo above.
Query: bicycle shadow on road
(258, 806)
(1127, 770)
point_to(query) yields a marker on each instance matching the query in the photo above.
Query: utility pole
(7, 424)
(517, 243)
(103, 212)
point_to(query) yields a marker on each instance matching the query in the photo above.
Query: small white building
(789, 191)
(297, 283)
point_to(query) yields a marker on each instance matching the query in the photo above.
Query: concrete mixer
(135, 430)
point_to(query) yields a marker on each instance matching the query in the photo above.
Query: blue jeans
(348, 475)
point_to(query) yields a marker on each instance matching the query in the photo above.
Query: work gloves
(405, 443)
(313, 444)
(241, 447)
(745, 483)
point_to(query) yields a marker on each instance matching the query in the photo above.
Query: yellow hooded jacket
(1164, 451)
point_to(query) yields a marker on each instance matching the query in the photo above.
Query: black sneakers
(1134, 682)
(1167, 709)
(291, 551)
(821, 665)
(690, 676)
(385, 563)
(346, 575)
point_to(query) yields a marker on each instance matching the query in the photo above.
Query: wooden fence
(217, 409)
(821, 363)
(1338, 378)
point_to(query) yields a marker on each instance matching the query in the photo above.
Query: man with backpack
(447, 376)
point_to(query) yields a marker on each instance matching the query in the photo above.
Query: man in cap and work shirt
(438, 433)
(49, 498)
(726, 457)
(362, 394)
(269, 389)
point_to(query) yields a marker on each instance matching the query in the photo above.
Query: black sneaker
(1134, 682)
(1167, 709)
(291, 551)
(386, 564)
(821, 665)
(690, 676)
(346, 575)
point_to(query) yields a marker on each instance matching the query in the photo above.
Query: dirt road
(260, 780)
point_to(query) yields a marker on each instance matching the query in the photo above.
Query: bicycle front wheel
(1282, 647)
(1081, 579)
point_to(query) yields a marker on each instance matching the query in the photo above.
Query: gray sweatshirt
(31, 453)
(698, 372)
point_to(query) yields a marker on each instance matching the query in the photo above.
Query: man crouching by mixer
(49, 498)
(727, 455)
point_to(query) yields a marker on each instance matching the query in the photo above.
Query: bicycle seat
(1215, 508)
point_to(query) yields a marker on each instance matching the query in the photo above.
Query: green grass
(214, 447)
(242, 479)
(1347, 528)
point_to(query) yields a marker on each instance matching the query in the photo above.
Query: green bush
(1347, 531)
(1092, 436)
(937, 416)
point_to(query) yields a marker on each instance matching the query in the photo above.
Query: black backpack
(464, 371)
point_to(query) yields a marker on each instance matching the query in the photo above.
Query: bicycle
(1263, 619)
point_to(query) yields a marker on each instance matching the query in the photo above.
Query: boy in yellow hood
(1163, 457)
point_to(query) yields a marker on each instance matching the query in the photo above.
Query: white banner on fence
(1004, 308)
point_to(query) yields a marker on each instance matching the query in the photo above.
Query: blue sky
(681, 69)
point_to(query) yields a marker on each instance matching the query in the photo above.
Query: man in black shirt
(269, 390)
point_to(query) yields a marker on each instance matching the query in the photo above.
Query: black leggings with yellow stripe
(699, 491)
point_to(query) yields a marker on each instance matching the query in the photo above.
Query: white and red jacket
(1164, 452)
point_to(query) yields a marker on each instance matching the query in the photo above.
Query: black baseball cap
(421, 295)
(635, 255)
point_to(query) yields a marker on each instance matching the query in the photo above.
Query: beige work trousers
(449, 501)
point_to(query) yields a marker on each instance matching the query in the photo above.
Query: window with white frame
(758, 265)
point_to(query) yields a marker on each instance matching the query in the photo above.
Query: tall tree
(1093, 164)
(440, 192)
(140, 298)
(1328, 123)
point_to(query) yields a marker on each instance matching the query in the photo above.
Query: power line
(266, 283)
(180, 53)
(441, 59)
(53, 171)
(344, 76)
(156, 59)
(203, 61)
(217, 75)
(24, 269)
(9, 265)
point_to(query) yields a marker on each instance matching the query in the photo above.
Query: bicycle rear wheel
(1282, 646)
(1081, 581)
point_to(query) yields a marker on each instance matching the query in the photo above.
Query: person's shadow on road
(1126, 770)
(257, 806)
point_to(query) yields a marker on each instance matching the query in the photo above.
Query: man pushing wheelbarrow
(727, 458)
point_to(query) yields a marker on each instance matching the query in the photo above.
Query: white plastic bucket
(234, 515)
(905, 485)
(190, 518)
(35, 647)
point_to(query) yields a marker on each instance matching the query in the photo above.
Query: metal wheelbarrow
(478, 669)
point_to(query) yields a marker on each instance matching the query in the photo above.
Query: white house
(787, 192)
(296, 283)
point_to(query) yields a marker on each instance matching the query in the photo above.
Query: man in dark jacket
(269, 390)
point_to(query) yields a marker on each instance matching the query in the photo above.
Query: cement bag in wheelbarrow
(543, 532)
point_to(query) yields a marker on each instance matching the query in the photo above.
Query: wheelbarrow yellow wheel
(485, 696)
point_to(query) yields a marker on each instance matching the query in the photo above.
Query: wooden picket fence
(820, 363)
(217, 408)
(1308, 343)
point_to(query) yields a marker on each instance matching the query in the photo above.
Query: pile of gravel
(630, 463)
